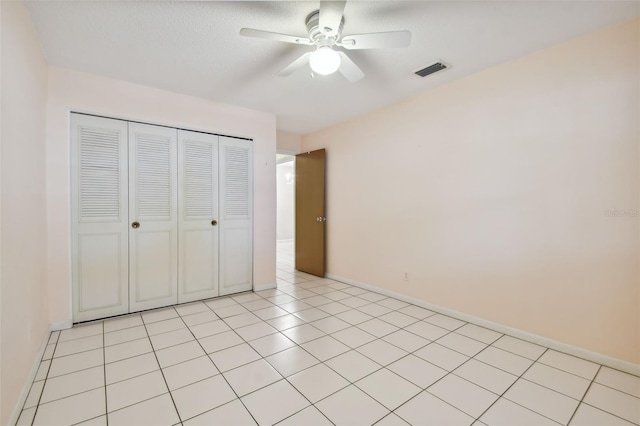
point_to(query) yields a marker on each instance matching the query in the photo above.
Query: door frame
(308, 166)
(294, 153)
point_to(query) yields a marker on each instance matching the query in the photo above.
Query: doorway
(285, 222)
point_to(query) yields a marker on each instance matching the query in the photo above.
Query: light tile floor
(315, 352)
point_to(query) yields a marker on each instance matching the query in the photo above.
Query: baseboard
(261, 287)
(60, 325)
(15, 414)
(618, 364)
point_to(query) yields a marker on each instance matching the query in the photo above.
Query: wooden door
(198, 216)
(153, 228)
(236, 215)
(310, 212)
(99, 224)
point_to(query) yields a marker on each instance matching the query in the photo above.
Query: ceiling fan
(324, 29)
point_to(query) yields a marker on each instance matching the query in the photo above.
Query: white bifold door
(99, 218)
(236, 208)
(199, 238)
(153, 216)
(159, 216)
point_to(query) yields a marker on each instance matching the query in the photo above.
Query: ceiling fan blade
(331, 16)
(376, 40)
(349, 69)
(295, 65)
(250, 32)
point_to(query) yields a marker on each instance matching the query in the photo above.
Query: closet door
(198, 217)
(236, 219)
(99, 225)
(153, 221)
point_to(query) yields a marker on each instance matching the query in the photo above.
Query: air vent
(438, 66)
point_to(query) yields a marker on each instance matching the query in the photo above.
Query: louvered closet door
(198, 216)
(99, 225)
(236, 215)
(153, 217)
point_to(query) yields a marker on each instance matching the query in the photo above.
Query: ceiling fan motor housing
(317, 34)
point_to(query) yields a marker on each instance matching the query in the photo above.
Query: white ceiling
(194, 47)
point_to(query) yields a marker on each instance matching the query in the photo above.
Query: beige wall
(75, 91)
(288, 143)
(491, 193)
(23, 233)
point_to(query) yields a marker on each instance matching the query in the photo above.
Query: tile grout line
(161, 372)
(206, 353)
(470, 337)
(348, 380)
(304, 369)
(308, 406)
(283, 377)
(462, 378)
(71, 395)
(137, 375)
(612, 388)
(352, 349)
(507, 390)
(219, 372)
(104, 370)
(187, 327)
(435, 341)
(441, 378)
(608, 412)
(87, 420)
(135, 403)
(308, 287)
(449, 332)
(379, 338)
(598, 408)
(584, 394)
(435, 396)
(548, 388)
(37, 406)
(151, 310)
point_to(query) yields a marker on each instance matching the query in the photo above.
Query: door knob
(135, 225)
(214, 222)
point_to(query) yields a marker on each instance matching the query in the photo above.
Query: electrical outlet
(406, 276)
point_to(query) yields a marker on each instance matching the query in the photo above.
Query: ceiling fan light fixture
(324, 60)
